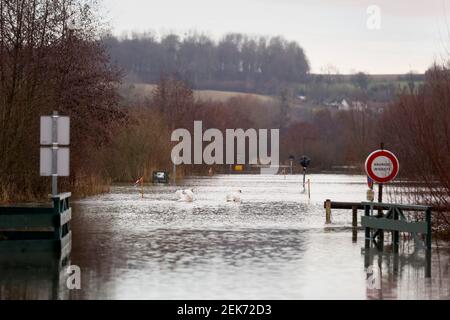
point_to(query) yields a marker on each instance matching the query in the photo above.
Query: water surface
(273, 245)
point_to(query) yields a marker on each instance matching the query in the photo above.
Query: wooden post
(309, 188)
(355, 223)
(328, 211)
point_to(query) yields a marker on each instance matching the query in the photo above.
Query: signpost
(382, 166)
(54, 162)
(304, 162)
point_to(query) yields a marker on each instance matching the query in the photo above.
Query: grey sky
(413, 33)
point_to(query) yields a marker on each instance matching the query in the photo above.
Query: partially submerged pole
(304, 178)
(367, 229)
(174, 174)
(380, 211)
(328, 211)
(174, 171)
(355, 223)
(395, 235)
(428, 240)
(309, 189)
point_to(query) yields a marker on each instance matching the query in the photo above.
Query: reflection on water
(36, 276)
(274, 245)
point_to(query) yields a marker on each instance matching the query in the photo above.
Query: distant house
(378, 106)
(346, 105)
(338, 104)
(343, 105)
(359, 105)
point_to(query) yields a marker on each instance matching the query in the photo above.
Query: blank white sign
(62, 163)
(63, 130)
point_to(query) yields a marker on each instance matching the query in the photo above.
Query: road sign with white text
(382, 166)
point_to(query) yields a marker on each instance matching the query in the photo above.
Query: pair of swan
(188, 196)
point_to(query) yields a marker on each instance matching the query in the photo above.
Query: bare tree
(51, 59)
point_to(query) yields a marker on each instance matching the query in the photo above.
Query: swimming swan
(185, 195)
(236, 197)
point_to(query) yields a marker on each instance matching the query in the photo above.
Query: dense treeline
(417, 127)
(237, 62)
(51, 59)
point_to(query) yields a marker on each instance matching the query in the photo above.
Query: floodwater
(273, 245)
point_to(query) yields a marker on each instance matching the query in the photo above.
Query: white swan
(236, 197)
(185, 195)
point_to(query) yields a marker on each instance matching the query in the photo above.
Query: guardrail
(388, 217)
(37, 228)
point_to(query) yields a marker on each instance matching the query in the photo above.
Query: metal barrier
(381, 217)
(37, 228)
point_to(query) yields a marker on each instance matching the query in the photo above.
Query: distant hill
(376, 77)
(236, 62)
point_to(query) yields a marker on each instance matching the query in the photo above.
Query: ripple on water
(273, 245)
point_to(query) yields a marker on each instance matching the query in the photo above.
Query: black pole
(304, 178)
(428, 244)
(380, 211)
(395, 238)
(367, 239)
(380, 189)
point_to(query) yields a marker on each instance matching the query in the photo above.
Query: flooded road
(273, 245)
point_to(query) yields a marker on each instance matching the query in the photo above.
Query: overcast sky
(412, 34)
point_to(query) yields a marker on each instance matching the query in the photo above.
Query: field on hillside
(142, 91)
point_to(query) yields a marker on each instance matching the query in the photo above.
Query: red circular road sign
(382, 166)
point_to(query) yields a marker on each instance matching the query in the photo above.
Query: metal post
(57, 211)
(396, 263)
(290, 164)
(304, 178)
(380, 211)
(55, 154)
(428, 244)
(367, 230)
(367, 254)
(174, 174)
(395, 238)
(428, 221)
(355, 223)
